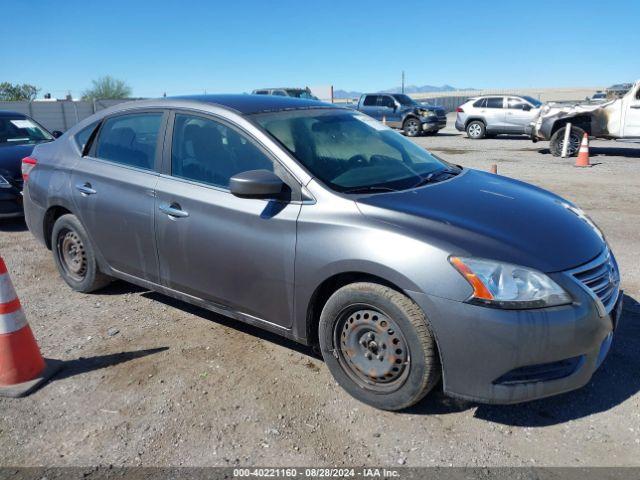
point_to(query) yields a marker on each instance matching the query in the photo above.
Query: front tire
(411, 127)
(476, 130)
(557, 141)
(378, 345)
(74, 256)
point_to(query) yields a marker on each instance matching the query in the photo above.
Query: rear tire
(378, 345)
(411, 127)
(557, 141)
(476, 130)
(74, 256)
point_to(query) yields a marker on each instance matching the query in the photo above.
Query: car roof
(249, 104)
(9, 113)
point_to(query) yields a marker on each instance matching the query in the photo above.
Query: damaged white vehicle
(617, 119)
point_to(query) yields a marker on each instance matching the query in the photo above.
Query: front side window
(21, 130)
(405, 100)
(516, 104)
(494, 102)
(207, 151)
(130, 139)
(349, 151)
(387, 101)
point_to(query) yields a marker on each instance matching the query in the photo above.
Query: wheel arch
(327, 288)
(581, 121)
(51, 215)
(474, 119)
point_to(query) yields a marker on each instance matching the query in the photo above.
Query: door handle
(173, 210)
(85, 189)
(635, 106)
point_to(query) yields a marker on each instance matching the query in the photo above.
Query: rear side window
(370, 101)
(82, 137)
(482, 103)
(130, 139)
(209, 152)
(494, 102)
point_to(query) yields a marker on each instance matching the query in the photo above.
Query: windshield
(21, 130)
(533, 101)
(349, 151)
(404, 99)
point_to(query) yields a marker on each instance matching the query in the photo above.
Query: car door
(233, 252)
(370, 106)
(518, 114)
(631, 102)
(389, 111)
(494, 114)
(113, 189)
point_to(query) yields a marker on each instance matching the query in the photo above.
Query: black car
(18, 135)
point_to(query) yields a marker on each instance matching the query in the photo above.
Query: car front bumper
(10, 203)
(433, 124)
(499, 356)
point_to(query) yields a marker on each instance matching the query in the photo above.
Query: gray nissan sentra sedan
(323, 225)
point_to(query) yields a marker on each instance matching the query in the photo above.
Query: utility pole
(402, 81)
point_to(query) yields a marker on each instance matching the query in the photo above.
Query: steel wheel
(412, 127)
(72, 253)
(371, 348)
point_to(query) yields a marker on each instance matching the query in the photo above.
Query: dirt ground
(151, 381)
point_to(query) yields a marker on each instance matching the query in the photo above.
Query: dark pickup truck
(401, 111)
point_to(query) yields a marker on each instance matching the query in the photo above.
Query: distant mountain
(407, 89)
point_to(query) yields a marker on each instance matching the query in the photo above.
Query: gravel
(152, 381)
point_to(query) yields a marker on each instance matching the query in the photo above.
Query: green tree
(107, 87)
(15, 93)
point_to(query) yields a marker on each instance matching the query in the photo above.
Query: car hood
(488, 216)
(11, 158)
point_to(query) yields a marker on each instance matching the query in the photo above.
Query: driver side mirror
(257, 184)
(526, 107)
(56, 134)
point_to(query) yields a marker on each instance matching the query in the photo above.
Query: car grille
(601, 277)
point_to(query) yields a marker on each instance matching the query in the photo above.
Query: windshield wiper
(435, 176)
(369, 189)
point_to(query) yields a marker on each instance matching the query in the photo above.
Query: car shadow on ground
(13, 225)
(615, 382)
(602, 151)
(231, 323)
(71, 368)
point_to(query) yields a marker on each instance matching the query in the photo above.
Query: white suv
(493, 114)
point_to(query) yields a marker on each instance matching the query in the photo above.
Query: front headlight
(504, 285)
(4, 183)
(428, 113)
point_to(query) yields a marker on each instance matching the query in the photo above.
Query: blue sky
(182, 47)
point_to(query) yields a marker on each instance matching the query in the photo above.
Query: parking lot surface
(152, 381)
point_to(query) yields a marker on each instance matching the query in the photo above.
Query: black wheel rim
(371, 348)
(72, 254)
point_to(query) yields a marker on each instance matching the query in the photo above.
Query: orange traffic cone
(22, 368)
(583, 153)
